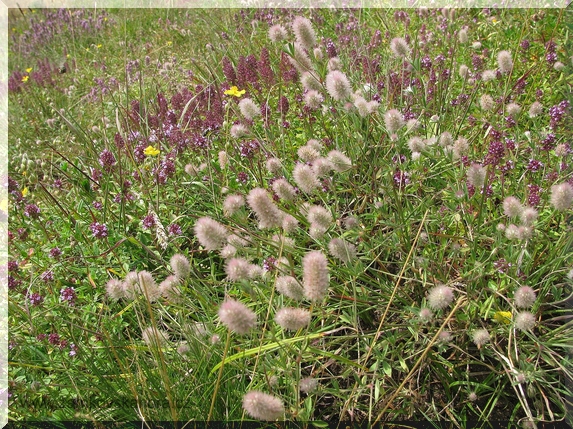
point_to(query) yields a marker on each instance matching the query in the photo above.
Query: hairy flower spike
(277, 33)
(315, 276)
(342, 250)
(394, 120)
(399, 47)
(512, 207)
(284, 189)
(237, 269)
(476, 175)
(290, 287)
(340, 162)
(480, 337)
(237, 317)
(180, 265)
(304, 33)
(210, 233)
(561, 196)
(524, 321)
(504, 62)
(440, 297)
(292, 319)
(524, 297)
(313, 99)
(267, 212)
(249, 109)
(114, 289)
(263, 406)
(305, 178)
(338, 86)
(232, 204)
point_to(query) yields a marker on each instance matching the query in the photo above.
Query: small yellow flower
(98, 46)
(169, 43)
(29, 69)
(151, 151)
(87, 49)
(25, 78)
(234, 91)
(502, 317)
(25, 191)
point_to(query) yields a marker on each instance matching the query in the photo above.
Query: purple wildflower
(99, 230)
(32, 211)
(47, 276)
(534, 165)
(68, 294)
(55, 252)
(174, 229)
(149, 221)
(401, 178)
(107, 160)
(242, 177)
(73, 349)
(54, 339)
(13, 266)
(270, 264)
(36, 299)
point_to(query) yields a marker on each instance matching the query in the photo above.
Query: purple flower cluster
(401, 178)
(99, 230)
(249, 148)
(174, 229)
(148, 221)
(32, 211)
(557, 112)
(68, 294)
(36, 299)
(107, 160)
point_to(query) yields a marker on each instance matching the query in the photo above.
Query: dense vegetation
(360, 215)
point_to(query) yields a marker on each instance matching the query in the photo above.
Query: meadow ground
(354, 215)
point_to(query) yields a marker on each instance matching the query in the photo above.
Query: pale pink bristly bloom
(237, 269)
(267, 212)
(440, 297)
(304, 33)
(249, 109)
(284, 189)
(504, 62)
(342, 250)
(340, 162)
(232, 204)
(561, 196)
(289, 286)
(292, 319)
(338, 86)
(263, 406)
(210, 233)
(315, 275)
(305, 178)
(180, 266)
(277, 33)
(394, 120)
(399, 47)
(237, 316)
(512, 207)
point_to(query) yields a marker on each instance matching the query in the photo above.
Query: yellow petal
(151, 151)
(502, 317)
(25, 191)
